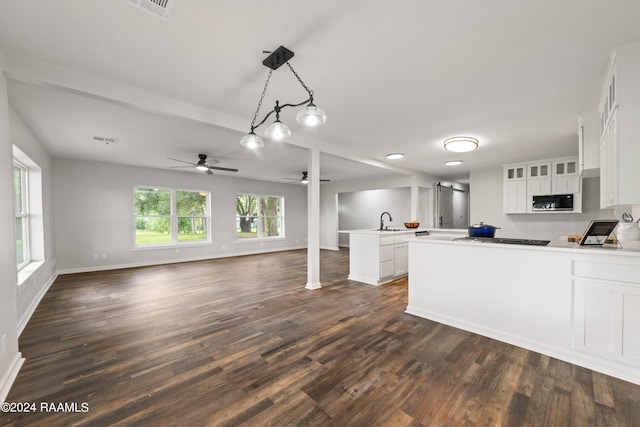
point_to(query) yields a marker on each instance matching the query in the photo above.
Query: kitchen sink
(388, 229)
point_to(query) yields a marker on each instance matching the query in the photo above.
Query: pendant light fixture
(310, 115)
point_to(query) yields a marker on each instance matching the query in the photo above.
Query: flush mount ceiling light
(453, 163)
(460, 144)
(310, 115)
(395, 156)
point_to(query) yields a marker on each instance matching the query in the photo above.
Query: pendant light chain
(309, 91)
(264, 90)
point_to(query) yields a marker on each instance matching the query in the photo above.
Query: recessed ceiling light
(460, 144)
(395, 156)
(453, 163)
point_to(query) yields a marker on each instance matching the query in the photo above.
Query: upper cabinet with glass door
(539, 178)
(620, 127)
(566, 176)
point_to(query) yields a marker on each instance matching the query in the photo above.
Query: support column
(313, 225)
(415, 199)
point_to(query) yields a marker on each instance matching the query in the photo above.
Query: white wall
(10, 358)
(486, 205)
(362, 209)
(94, 215)
(329, 199)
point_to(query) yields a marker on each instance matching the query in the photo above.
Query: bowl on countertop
(412, 224)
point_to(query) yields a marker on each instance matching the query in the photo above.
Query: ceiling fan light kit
(203, 165)
(305, 178)
(309, 116)
(460, 144)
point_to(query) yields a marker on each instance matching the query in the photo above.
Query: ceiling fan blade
(218, 168)
(292, 179)
(325, 180)
(178, 160)
(208, 172)
(179, 167)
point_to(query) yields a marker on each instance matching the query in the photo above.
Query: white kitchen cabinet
(566, 176)
(607, 312)
(584, 309)
(401, 260)
(539, 178)
(589, 145)
(378, 257)
(387, 256)
(565, 167)
(608, 155)
(620, 127)
(515, 189)
(515, 173)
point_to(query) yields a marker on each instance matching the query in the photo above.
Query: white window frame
(22, 212)
(173, 219)
(260, 216)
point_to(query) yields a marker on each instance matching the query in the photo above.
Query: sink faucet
(382, 221)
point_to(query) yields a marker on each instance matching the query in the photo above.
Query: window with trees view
(166, 216)
(21, 207)
(259, 216)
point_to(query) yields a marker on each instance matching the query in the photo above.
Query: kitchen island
(377, 257)
(577, 304)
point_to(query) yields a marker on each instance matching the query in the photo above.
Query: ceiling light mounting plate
(278, 57)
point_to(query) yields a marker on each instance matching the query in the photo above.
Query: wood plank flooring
(240, 342)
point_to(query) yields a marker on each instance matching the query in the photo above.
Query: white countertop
(453, 232)
(630, 248)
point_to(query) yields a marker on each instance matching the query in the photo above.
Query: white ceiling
(391, 76)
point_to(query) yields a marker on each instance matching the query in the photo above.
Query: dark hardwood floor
(239, 341)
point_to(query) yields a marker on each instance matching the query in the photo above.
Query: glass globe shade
(252, 141)
(278, 131)
(311, 116)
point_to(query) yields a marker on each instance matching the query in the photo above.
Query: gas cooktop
(529, 242)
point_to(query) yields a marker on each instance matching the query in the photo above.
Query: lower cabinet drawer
(387, 252)
(387, 268)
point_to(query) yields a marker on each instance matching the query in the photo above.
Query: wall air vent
(158, 8)
(105, 140)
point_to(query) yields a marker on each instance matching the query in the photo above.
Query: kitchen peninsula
(577, 304)
(380, 256)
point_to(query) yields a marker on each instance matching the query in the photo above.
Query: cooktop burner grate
(529, 242)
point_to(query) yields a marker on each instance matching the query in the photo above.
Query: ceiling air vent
(158, 8)
(105, 140)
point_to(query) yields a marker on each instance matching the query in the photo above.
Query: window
(21, 206)
(165, 216)
(259, 216)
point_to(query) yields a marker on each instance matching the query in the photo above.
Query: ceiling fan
(305, 178)
(203, 165)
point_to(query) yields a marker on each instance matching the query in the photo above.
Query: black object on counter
(528, 242)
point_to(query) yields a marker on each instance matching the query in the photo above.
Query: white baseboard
(7, 379)
(313, 285)
(172, 261)
(22, 322)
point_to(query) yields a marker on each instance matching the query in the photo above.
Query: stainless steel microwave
(555, 202)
